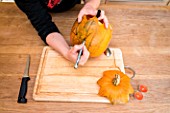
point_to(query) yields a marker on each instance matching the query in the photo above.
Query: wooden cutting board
(57, 80)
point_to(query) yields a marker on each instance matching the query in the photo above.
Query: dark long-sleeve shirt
(37, 12)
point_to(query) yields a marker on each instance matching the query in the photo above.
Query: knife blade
(24, 83)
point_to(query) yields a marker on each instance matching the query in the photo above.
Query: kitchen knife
(79, 56)
(23, 87)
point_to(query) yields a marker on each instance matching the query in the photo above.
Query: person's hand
(58, 43)
(103, 18)
(86, 10)
(73, 54)
(89, 10)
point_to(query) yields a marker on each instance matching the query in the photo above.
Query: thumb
(80, 16)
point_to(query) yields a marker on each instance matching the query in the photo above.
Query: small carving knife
(23, 87)
(79, 56)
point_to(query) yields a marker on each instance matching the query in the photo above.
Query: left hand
(89, 10)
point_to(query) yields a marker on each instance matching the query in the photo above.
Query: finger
(77, 48)
(80, 16)
(106, 22)
(104, 18)
(85, 56)
(85, 52)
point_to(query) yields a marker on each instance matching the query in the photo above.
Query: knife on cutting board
(23, 87)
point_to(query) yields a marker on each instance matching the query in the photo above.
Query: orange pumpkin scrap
(116, 86)
(94, 32)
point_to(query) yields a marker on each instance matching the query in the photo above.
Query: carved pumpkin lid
(116, 86)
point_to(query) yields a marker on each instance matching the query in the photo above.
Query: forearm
(94, 3)
(58, 43)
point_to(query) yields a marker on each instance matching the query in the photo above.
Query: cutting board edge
(39, 70)
(69, 99)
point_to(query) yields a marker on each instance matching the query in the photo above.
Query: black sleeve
(38, 15)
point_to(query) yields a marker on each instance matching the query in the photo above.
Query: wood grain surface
(57, 80)
(141, 32)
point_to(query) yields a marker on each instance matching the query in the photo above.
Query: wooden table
(141, 32)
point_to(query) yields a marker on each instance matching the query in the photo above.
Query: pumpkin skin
(94, 32)
(117, 94)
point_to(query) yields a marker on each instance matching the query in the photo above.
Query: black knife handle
(98, 13)
(23, 90)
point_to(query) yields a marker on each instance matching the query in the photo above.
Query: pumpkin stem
(116, 80)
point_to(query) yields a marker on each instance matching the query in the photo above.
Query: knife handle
(79, 55)
(78, 58)
(98, 13)
(23, 90)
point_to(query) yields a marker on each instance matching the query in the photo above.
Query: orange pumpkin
(94, 32)
(116, 86)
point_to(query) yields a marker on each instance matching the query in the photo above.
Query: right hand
(73, 54)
